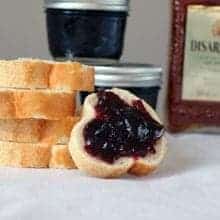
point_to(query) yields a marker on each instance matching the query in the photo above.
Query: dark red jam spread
(121, 130)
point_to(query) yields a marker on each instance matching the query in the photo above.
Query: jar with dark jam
(143, 80)
(86, 30)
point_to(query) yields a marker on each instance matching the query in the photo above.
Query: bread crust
(98, 168)
(42, 74)
(36, 130)
(24, 155)
(40, 155)
(71, 76)
(38, 104)
(61, 158)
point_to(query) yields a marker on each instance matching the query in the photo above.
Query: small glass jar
(143, 80)
(86, 30)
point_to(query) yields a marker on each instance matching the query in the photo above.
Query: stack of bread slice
(38, 111)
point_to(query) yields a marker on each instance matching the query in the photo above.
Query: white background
(23, 30)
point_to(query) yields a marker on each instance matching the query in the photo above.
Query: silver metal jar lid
(106, 5)
(128, 75)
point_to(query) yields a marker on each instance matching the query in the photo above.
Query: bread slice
(98, 168)
(36, 130)
(24, 155)
(39, 155)
(61, 158)
(41, 74)
(71, 76)
(38, 104)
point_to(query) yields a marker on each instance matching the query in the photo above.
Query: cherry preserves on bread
(118, 133)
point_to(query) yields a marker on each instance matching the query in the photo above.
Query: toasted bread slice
(38, 104)
(24, 155)
(36, 130)
(35, 155)
(41, 74)
(99, 168)
(61, 158)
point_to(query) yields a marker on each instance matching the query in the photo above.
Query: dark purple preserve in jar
(85, 29)
(143, 80)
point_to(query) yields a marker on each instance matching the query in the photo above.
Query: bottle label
(201, 69)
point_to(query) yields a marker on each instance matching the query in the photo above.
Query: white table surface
(187, 186)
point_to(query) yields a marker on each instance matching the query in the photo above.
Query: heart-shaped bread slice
(117, 134)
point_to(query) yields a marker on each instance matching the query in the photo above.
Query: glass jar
(86, 30)
(143, 80)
